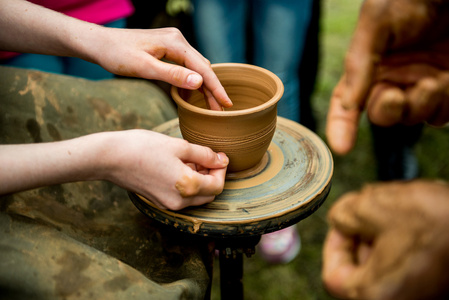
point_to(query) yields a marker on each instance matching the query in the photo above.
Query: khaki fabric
(86, 240)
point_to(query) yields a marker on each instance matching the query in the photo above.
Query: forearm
(27, 27)
(28, 166)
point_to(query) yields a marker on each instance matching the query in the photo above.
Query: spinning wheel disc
(291, 182)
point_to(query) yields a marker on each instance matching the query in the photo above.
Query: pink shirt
(94, 11)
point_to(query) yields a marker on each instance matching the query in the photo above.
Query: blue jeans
(63, 65)
(277, 36)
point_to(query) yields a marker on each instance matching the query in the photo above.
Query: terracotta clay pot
(243, 131)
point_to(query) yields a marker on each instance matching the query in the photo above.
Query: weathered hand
(387, 30)
(412, 87)
(389, 241)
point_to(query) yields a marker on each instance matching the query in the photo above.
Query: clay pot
(243, 131)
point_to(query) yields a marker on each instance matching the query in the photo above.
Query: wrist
(99, 156)
(84, 40)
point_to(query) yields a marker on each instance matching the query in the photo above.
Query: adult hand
(396, 67)
(170, 172)
(389, 241)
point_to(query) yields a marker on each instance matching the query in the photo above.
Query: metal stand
(231, 264)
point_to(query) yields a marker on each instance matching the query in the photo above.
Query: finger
(338, 263)
(202, 170)
(406, 73)
(197, 200)
(367, 47)
(174, 74)
(213, 183)
(211, 83)
(204, 76)
(360, 213)
(204, 157)
(382, 275)
(344, 215)
(210, 100)
(197, 70)
(342, 124)
(386, 105)
(192, 166)
(429, 101)
(192, 183)
(192, 59)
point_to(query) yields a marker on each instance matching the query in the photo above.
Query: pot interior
(245, 87)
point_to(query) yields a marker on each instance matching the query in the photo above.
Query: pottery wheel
(291, 182)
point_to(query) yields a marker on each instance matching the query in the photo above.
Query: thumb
(176, 75)
(342, 124)
(429, 101)
(205, 157)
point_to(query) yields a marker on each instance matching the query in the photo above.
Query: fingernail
(194, 80)
(223, 158)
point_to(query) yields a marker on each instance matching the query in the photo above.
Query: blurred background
(330, 31)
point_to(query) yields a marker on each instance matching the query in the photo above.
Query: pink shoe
(280, 246)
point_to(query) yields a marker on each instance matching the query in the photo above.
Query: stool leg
(231, 264)
(231, 274)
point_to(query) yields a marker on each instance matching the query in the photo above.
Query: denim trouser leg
(278, 35)
(220, 29)
(280, 29)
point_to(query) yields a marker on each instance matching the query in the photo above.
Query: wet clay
(243, 131)
(293, 183)
(187, 186)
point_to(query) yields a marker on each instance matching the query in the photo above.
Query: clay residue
(40, 95)
(74, 264)
(196, 225)
(34, 130)
(119, 283)
(187, 186)
(104, 109)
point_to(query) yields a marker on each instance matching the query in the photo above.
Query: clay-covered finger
(338, 262)
(367, 47)
(386, 105)
(192, 184)
(429, 101)
(384, 272)
(367, 212)
(342, 124)
(404, 72)
(348, 217)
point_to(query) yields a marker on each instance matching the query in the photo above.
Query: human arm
(395, 68)
(170, 172)
(389, 241)
(27, 27)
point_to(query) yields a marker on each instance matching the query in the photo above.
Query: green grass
(300, 279)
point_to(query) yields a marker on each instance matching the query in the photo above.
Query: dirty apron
(86, 240)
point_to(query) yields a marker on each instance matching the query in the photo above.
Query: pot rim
(217, 113)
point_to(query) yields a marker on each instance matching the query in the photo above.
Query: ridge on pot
(243, 131)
